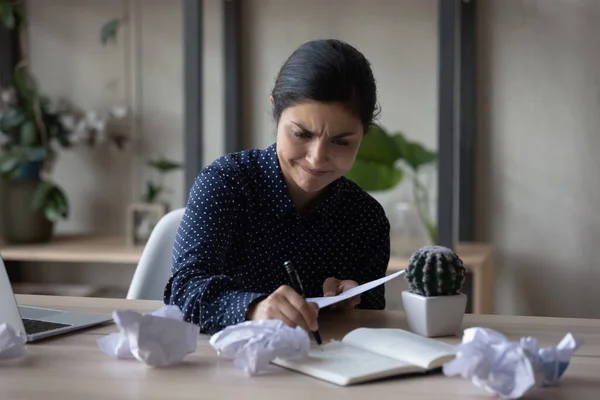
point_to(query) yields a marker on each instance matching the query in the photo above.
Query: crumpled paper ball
(159, 339)
(509, 369)
(252, 345)
(12, 343)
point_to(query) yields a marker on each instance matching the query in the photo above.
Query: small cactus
(435, 271)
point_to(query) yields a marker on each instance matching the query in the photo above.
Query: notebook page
(403, 345)
(343, 364)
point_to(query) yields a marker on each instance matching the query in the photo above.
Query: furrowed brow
(338, 136)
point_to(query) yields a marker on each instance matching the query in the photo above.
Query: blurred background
(116, 90)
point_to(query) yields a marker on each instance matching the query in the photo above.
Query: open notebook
(366, 354)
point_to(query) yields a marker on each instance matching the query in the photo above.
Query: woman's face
(316, 144)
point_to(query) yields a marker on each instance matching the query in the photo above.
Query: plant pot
(434, 316)
(20, 224)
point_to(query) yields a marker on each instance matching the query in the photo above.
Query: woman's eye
(341, 142)
(302, 135)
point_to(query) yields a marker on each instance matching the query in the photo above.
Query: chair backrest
(154, 268)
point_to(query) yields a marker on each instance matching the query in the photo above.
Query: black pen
(297, 286)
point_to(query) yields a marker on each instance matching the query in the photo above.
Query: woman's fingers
(289, 322)
(347, 285)
(354, 301)
(331, 287)
(297, 309)
(308, 311)
(289, 312)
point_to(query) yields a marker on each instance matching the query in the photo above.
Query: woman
(251, 211)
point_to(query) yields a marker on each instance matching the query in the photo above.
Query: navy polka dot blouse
(240, 226)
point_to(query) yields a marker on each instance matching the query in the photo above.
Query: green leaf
(109, 31)
(415, 154)
(377, 146)
(20, 17)
(8, 164)
(28, 134)
(372, 176)
(51, 198)
(163, 165)
(41, 194)
(10, 119)
(58, 206)
(152, 192)
(21, 80)
(53, 214)
(7, 15)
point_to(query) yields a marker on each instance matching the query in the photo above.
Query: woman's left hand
(333, 287)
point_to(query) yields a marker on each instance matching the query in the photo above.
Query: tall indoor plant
(382, 162)
(32, 130)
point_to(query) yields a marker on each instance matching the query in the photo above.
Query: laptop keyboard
(34, 326)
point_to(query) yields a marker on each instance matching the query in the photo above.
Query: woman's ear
(272, 102)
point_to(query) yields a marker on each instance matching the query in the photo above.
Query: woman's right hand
(288, 306)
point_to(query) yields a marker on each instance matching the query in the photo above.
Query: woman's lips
(315, 172)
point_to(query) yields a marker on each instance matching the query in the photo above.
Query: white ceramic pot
(434, 316)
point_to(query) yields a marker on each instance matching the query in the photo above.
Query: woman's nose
(317, 154)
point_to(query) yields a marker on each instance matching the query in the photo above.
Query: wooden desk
(72, 366)
(478, 258)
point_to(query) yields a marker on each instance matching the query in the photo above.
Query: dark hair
(329, 71)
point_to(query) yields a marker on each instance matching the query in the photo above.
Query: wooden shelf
(75, 248)
(473, 255)
(56, 289)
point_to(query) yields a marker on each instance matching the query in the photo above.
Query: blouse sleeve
(199, 284)
(376, 263)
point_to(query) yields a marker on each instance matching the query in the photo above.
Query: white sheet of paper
(327, 301)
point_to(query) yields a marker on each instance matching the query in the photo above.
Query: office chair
(154, 268)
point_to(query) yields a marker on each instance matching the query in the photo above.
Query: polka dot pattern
(240, 226)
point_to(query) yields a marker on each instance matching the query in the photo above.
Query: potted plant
(156, 188)
(144, 215)
(434, 304)
(382, 161)
(32, 129)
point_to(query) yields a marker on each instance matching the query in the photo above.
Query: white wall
(398, 37)
(538, 195)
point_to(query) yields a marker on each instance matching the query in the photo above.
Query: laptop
(39, 323)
